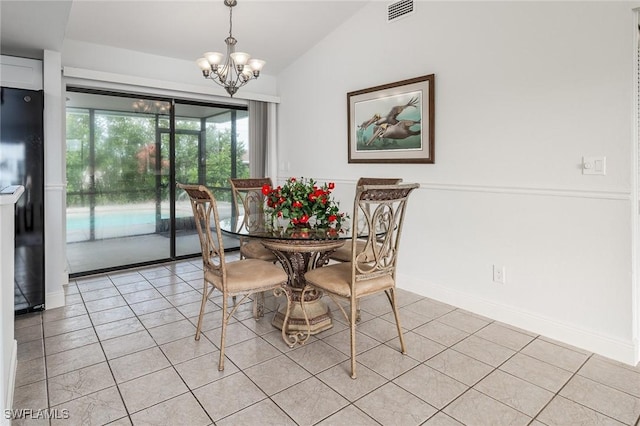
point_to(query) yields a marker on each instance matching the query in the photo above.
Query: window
(123, 160)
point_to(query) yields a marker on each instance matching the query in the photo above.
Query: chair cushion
(343, 254)
(337, 278)
(255, 250)
(249, 275)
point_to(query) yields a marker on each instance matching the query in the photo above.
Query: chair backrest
(248, 198)
(204, 207)
(378, 181)
(382, 208)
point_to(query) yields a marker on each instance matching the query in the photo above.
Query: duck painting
(399, 130)
(393, 122)
(401, 121)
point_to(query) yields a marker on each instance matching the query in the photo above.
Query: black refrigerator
(22, 163)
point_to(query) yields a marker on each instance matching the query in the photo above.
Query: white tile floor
(122, 352)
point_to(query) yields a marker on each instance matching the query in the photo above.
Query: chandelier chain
(230, 21)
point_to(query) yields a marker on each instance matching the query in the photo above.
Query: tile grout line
(106, 275)
(44, 354)
(156, 346)
(191, 391)
(135, 315)
(106, 360)
(557, 393)
(379, 343)
(469, 387)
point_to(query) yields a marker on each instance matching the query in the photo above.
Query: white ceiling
(275, 31)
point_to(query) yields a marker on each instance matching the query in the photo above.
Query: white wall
(55, 182)
(523, 91)
(9, 349)
(153, 73)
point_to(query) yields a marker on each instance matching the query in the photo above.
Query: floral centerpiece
(304, 204)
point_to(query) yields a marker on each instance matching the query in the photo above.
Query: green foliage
(77, 148)
(132, 166)
(302, 200)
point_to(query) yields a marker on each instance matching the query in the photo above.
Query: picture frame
(392, 123)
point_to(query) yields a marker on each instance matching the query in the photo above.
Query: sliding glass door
(124, 156)
(218, 138)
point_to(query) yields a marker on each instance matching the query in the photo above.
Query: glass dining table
(298, 251)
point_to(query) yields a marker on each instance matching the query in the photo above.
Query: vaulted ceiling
(276, 31)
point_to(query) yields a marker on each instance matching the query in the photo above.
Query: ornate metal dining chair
(239, 278)
(343, 254)
(248, 198)
(373, 269)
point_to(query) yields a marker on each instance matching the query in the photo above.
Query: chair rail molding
(624, 195)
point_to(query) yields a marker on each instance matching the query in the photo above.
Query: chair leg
(352, 324)
(392, 298)
(298, 337)
(223, 333)
(202, 306)
(258, 305)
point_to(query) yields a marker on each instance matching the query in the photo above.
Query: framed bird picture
(392, 123)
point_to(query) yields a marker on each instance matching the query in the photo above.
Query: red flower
(300, 200)
(266, 189)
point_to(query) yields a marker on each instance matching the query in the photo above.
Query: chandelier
(151, 107)
(233, 70)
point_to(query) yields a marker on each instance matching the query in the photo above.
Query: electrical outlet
(499, 274)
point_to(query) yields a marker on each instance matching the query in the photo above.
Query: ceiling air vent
(399, 9)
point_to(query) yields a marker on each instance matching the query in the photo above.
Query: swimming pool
(110, 219)
(125, 221)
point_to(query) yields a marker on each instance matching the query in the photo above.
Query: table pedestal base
(317, 312)
(297, 257)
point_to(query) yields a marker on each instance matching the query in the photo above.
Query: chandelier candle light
(233, 70)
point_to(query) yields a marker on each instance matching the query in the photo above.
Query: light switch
(594, 165)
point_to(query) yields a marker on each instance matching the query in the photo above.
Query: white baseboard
(11, 380)
(610, 347)
(54, 300)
